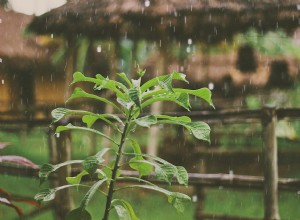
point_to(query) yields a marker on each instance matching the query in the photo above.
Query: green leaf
(72, 127)
(80, 93)
(86, 199)
(100, 83)
(146, 121)
(79, 214)
(124, 76)
(92, 118)
(203, 93)
(125, 103)
(155, 81)
(91, 164)
(182, 175)
(138, 163)
(200, 130)
(48, 194)
(179, 201)
(165, 82)
(140, 72)
(76, 179)
(165, 172)
(124, 210)
(46, 169)
(45, 195)
(134, 95)
(181, 99)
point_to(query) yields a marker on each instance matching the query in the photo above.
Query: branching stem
(116, 167)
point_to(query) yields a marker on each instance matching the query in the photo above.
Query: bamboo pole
(269, 119)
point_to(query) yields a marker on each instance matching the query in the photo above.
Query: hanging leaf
(86, 199)
(134, 95)
(200, 130)
(181, 99)
(91, 164)
(45, 195)
(49, 194)
(165, 172)
(182, 175)
(179, 201)
(124, 210)
(165, 82)
(146, 121)
(138, 162)
(46, 169)
(203, 93)
(79, 214)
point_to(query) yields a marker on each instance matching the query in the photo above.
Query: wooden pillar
(200, 194)
(156, 107)
(64, 200)
(269, 119)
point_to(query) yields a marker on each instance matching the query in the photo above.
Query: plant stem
(115, 170)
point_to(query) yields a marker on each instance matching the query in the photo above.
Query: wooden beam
(269, 119)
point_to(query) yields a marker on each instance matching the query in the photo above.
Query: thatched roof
(206, 20)
(16, 50)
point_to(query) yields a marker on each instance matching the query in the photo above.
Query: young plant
(132, 98)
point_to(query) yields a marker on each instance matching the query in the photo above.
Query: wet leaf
(45, 195)
(179, 201)
(91, 164)
(46, 169)
(146, 121)
(134, 95)
(165, 172)
(182, 175)
(79, 214)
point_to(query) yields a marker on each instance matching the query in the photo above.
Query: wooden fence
(270, 182)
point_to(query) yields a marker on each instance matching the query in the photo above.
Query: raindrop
(0, 60)
(52, 36)
(99, 49)
(190, 41)
(188, 49)
(159, 43)
(184, 19)
(2, 81)
(147, 3)
(298, 7)
(57, 135)
(194, 198)
(211, 86)
(298, 193)
(0, 21)
(181, 68)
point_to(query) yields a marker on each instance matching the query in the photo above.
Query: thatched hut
(26, 73)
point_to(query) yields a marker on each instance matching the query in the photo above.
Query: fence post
(268, 120)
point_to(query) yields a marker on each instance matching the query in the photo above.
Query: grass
(147, 205)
